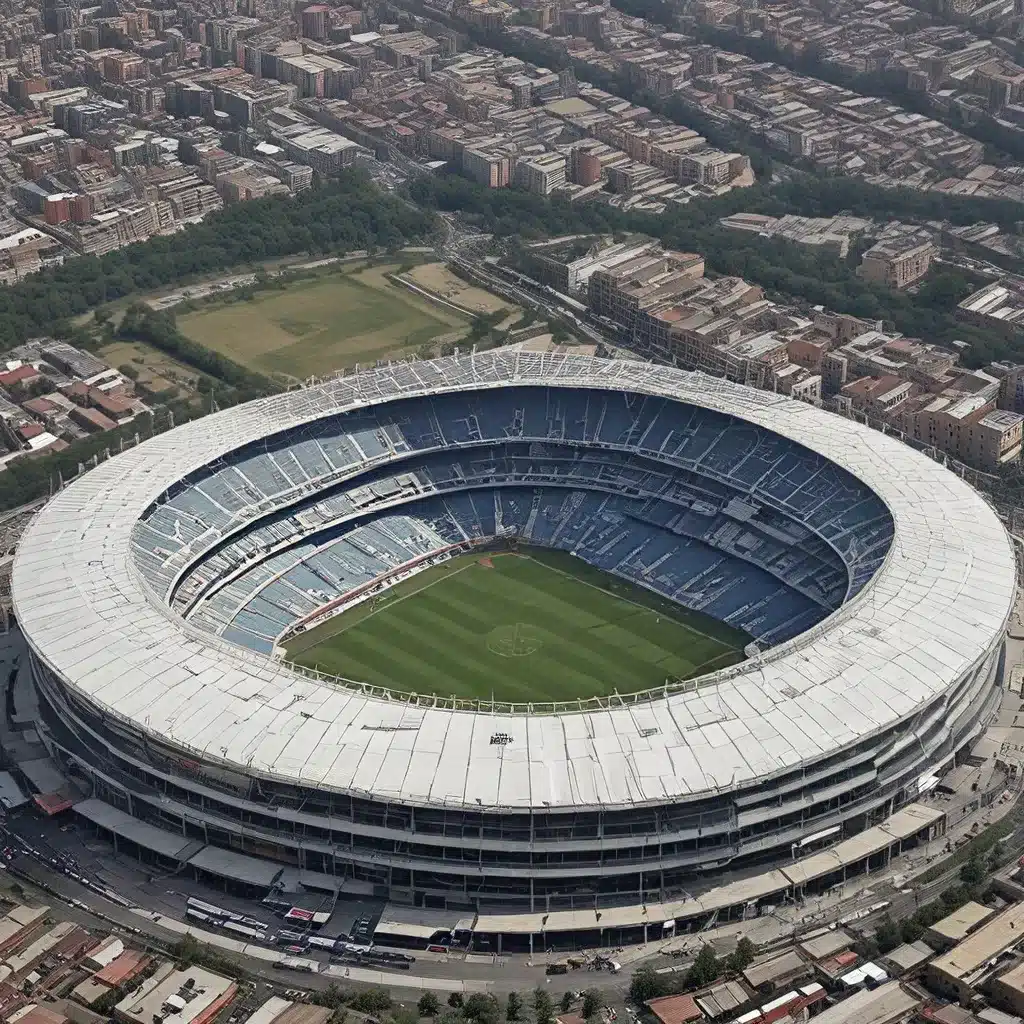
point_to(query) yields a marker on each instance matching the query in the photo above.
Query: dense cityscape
(127, 125)
(512, 510)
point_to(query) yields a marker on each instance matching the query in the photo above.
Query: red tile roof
(675, 1009)
(123, 969)
(40, 406)
(41, 1015)
(22, 373)
(112, 404)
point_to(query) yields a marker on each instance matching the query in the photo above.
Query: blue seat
(709, 510)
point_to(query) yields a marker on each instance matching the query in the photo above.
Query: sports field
(324, 324)
(530, 626)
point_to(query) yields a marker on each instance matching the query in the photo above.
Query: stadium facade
(153, 593)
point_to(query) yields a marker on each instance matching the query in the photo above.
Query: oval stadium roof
(935, 609)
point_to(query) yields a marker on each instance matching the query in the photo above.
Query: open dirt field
(437, 278)
(157, 372)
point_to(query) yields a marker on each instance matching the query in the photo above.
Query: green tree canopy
(429, 1005)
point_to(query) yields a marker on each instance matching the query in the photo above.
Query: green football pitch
(518, 627)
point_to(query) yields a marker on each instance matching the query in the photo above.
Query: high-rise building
(541, 174)
(314, 21)
(57, 208)
(522, 94)
(584, 165)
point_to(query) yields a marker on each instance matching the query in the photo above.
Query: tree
(332, 997)
(188, 950)
(887, 935)
(704, 969)
(345, 214)
(591, 1003)
(944, 290)
(776, 265)
(106, 1002)
(742, 956)
(455, 1000)
(646, 984)
(543, 1008)
(429, 1005)
(956, 896)
(973, 873)
(372, 1000)
(514, 1008)
(482, 1008)
(159, 329)
(911, 929)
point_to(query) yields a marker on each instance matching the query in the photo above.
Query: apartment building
(798, 382)
(963, 423)
(493, 170)
(1011, 384)
(540, 174)
(875, 353)
(898, 261)
(712, 167)
(828, 234)
(999, 306)
(973, 431)
(962, 972)
(755, 359)
(193, 995)
(118, 227)
(875, 397)
(633, 280)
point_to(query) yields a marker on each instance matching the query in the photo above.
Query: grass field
(323, 324)
(534, 626)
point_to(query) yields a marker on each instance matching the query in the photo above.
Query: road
(92, 911)
(475, 974)
(166, 896)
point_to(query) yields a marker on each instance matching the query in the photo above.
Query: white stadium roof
(934, 610)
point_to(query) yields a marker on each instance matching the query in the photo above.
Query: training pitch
(529, 626)
(323, 324)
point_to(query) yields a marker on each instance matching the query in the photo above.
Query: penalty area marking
(385, 599)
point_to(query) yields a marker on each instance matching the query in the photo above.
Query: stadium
(775, 628)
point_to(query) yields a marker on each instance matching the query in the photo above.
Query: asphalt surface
(93, 911)
(57, 849)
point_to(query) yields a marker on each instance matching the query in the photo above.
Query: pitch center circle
(514, 640)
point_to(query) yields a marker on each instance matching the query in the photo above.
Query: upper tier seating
(712, 511)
